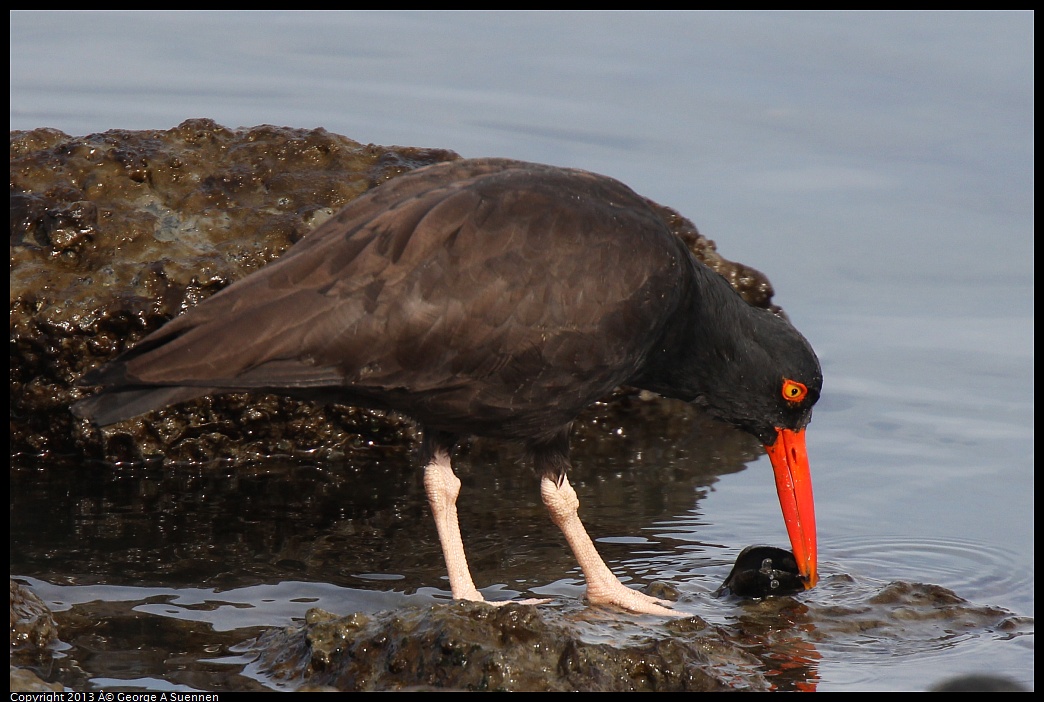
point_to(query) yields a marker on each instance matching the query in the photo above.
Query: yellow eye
(793, 391)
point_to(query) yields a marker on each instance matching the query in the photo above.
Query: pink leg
(443, 487)
(602, 586)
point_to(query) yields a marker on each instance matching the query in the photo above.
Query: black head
(765, 376)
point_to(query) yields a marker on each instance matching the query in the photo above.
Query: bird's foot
(476, 596)
(603, 588)
(527, 601)
(614, 593)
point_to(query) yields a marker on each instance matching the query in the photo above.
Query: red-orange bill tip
(794, 487)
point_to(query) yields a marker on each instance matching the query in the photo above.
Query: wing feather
(498, 279)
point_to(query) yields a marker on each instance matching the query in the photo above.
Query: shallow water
(159, 576)
(879, 169)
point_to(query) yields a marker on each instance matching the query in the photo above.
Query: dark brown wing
(459, 289)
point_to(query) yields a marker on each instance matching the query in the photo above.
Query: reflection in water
(198, 559)
(362, 522)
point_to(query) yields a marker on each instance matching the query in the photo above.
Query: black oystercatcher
(494, 298)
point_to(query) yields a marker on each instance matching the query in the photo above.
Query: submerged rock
(32, 625)
(478, 647)
(33, 634)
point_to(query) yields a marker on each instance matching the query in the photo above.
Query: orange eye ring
(793, 391)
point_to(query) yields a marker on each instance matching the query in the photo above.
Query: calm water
(878, 167)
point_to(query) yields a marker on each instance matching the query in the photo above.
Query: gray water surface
(877, 166)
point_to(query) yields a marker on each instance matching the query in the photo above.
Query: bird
(496, 298)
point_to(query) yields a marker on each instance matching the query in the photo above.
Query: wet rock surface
(33, 636)
(478, 647)
(114, 234)
(32, 626)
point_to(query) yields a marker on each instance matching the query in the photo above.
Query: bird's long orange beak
(794, 486)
